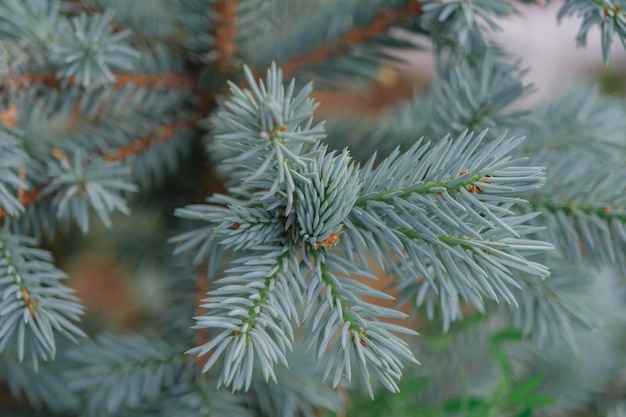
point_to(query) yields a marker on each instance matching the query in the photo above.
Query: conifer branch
(133, 370)
(606, 14)
(584, 208)
(342, 325)
(449, 223)
(12, 167)
(253, 310)
(550, 310)
(445, 210)
(379, 26)
(34, 304)
(41, 387)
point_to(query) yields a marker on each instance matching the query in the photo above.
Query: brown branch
(26, 198)
(6, 396)
(381, 25)
(225, 32)
(21, 191)
(78, 4)
(138, 146)
(9, 116)
(30, 304)
(202, 335)
(166, 79)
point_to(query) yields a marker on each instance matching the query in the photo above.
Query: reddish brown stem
(30, 304)
(138, 146)
(225, 32)
(9, 116)
(381, 24)
(27, 198)
(166, 79)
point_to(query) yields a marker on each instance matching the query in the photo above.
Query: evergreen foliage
(500, 230)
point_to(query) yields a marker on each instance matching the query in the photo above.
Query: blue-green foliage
(89, 52)
(35, 304)
(350, 329)
(84, 49)
(584, 208)
(442, 197)
(582, 121)
(32, 20)
(114, 372)
(80, 186)
(43, 387)
(476, 97)
(265, 131)
(298, 391)
(161, 20)
(253, 309)
(551, 311)
(11, 159)
(597, 354)
(609, 15)
(305, 205)
(582, 205)
(464, 19)
(327, 197)
(445, 212)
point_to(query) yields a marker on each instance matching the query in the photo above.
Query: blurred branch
(122, 153)
(225, 32)
(379, 26)
(133, 148)
(166, 79)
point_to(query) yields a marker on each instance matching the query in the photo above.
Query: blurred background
(545, 46)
